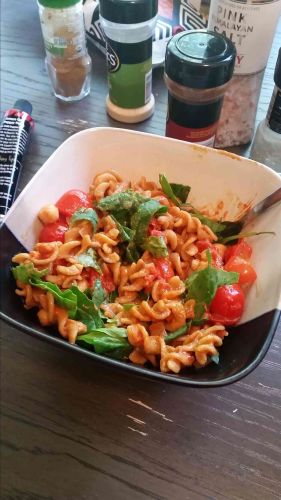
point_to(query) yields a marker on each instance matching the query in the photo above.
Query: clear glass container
(67, 59)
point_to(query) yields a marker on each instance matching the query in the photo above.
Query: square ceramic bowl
(220, 180)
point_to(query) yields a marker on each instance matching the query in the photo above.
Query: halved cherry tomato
(216, 258)
(52, 232)
(241, 249)
(107, 282)
(155, 232)
(92, 276)
(73, 200)
(203, 245)
(228, 305)
(154, 225)
(163, 268)
(247, 274)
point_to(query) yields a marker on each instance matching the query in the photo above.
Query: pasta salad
(131, 270)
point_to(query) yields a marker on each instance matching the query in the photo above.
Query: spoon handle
(263, 205)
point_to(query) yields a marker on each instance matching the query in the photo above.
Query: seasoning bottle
(129, 26)
(67, 59)
(266, 147)
(198, 67)
(250, 25)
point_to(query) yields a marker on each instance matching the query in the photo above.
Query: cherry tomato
(92, 276)
(72, 201)
(203, 245)
(241, 249)
(164, 268)
(247, 274)
(228, 305)
(52, 232)
(155, 232)
(107, 282)
(154, 225)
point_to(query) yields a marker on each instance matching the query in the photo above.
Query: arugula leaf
(156, 246)
(89, 259)
(126, 200)
(178, 333)
(141, 219)
(112, 341)
(99, 294)
(63, 298)
(86, 311)
(180, 191)
(202, 285)
(126, 233)
(85, 214)
(167, 189)
(25, 272)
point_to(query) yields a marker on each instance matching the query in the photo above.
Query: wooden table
(73, 429)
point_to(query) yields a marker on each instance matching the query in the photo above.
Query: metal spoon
(261, 207)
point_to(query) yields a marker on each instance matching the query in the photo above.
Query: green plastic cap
(128, 11)
(58, 4)
(200, 59)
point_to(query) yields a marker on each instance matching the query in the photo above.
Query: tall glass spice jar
(266, 146)
(67, 59)
(250, 24)
(198, 67)
(129, 26)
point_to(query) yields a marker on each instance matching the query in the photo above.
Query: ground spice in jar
(198, 67)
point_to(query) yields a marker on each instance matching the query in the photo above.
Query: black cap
(200, 59)
(277, 72)
(23, 105)
(128, 11)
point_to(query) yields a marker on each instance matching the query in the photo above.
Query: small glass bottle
(129, 26)
(266, 147)
(250, 25)
(198, 67)
(67, 59)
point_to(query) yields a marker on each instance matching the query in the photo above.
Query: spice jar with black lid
(198, 66)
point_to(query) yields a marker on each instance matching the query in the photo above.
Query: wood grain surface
(74, 429)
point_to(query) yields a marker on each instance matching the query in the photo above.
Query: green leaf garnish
(63, 298)
(126, 200)
(128, 307)
(215, 358)
(111, 341)
(25, 272)
(99, 295)
(156, 246)
(126, 233)
(180, 191)
(87, 311)
(167, 189)
(88, 214)
(89, 259)
(141, 219)
(178, 333)
(235, 237)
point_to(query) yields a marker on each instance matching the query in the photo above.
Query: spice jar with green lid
(129, 26)
(198, 66)
(67, 59)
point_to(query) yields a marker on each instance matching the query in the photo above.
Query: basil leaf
(89, 259)
(215, 226)
(202, 285)
(25, 272)
(112, 341)
(132, 254)
(141, 219)
(180, 191)
(178, 333)
(126, 234)
(128, 307)
(127, 200)
(122, 216)
(167, 189)
(87, 312)
(156, 246)
(99, 294)
(88, 214)
(63, 298)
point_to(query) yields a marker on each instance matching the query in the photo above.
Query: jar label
(66, 40)
(251, 28)
(274, 112)
(129, 72)
(203, 135)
